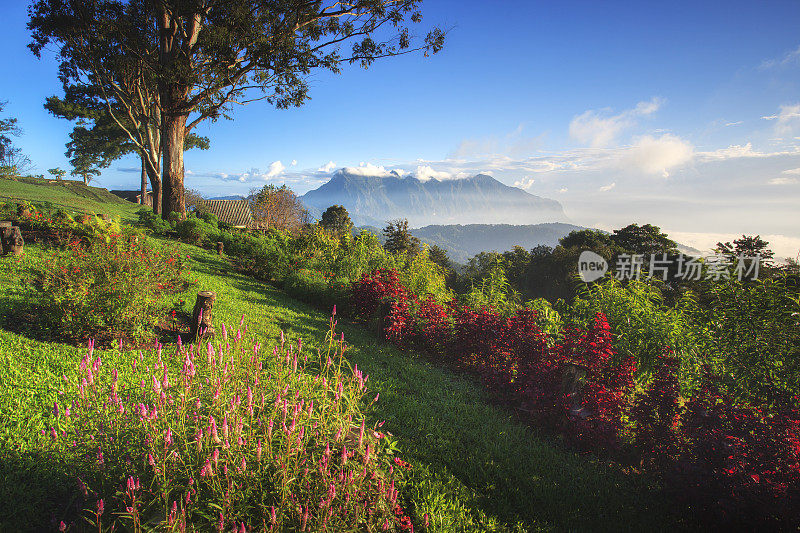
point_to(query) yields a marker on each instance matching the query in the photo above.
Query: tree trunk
(143, 197)
(202, 323)
(86, 179)
(173, 136)
(154, 175)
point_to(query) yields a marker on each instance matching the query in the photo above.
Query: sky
(685, 115)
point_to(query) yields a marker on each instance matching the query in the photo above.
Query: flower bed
(737, 463)
(226, 435)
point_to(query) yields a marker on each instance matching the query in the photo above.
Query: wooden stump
(220, 247)
(12, 240)
(573, 380)
(105, 218)
(202, 325)
(84, 219)
(3, 225)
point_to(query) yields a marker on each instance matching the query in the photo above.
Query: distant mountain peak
(479, 199)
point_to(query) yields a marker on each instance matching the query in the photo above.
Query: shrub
(153, 222)
(227, 436)
(751, 336)
(195, 231)
(106, 288)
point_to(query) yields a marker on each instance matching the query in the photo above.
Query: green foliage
(196, 231)
(751, 336)
(644, 328)
(423, 277)
(646, 239)
(399, 239)
(110, 288)
(57, 173)
(747, 246)
(494, 291)
(548, 319)
(336, 220)
(441, 421)
(153, 222)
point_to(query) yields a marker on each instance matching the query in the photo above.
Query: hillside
(66, 194)
(474, 468)
(464, 242)
(373, 200)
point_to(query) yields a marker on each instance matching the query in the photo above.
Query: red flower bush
(738, 463)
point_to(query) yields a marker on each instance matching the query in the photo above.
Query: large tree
(336, 220)
(206, 56)
(277, 207)
(12, 160)
(399, 238)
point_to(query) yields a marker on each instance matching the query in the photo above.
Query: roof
(233, 212)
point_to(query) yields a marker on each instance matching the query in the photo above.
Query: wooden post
(572, 381)
(3, 224)
(220, 247)
(202, 324)
(12, 240)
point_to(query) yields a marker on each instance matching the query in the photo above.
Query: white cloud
(783, 181)
(426, 172)
(294, 163)
(792, 171)
(524, 183)
(563, 190)
(513, 144)
(276, 168)
(327, 167)
(368, 169)
(793, 56)
(599, 129)
(733, 123)
(660, 155)
(606, 188)
(786, 119)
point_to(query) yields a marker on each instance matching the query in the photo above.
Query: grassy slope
(70, 195)
(475, 469)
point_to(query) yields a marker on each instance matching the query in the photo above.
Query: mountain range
(374, 200)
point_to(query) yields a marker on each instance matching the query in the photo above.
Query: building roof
(234, 212)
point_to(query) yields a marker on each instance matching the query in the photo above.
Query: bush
(153, 222)
(227, 436)
(107, 289)
(196, 231)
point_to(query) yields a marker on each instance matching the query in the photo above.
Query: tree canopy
(277, 207)
(168, 65)
(399, 238)
(336, 220)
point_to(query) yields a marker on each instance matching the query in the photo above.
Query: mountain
(464, 242)
(374, 200)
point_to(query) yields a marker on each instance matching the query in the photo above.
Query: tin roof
(234, 212)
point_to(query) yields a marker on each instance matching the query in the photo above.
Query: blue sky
(682, 114)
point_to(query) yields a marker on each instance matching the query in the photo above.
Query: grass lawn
(67, 194)
(474, 467)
